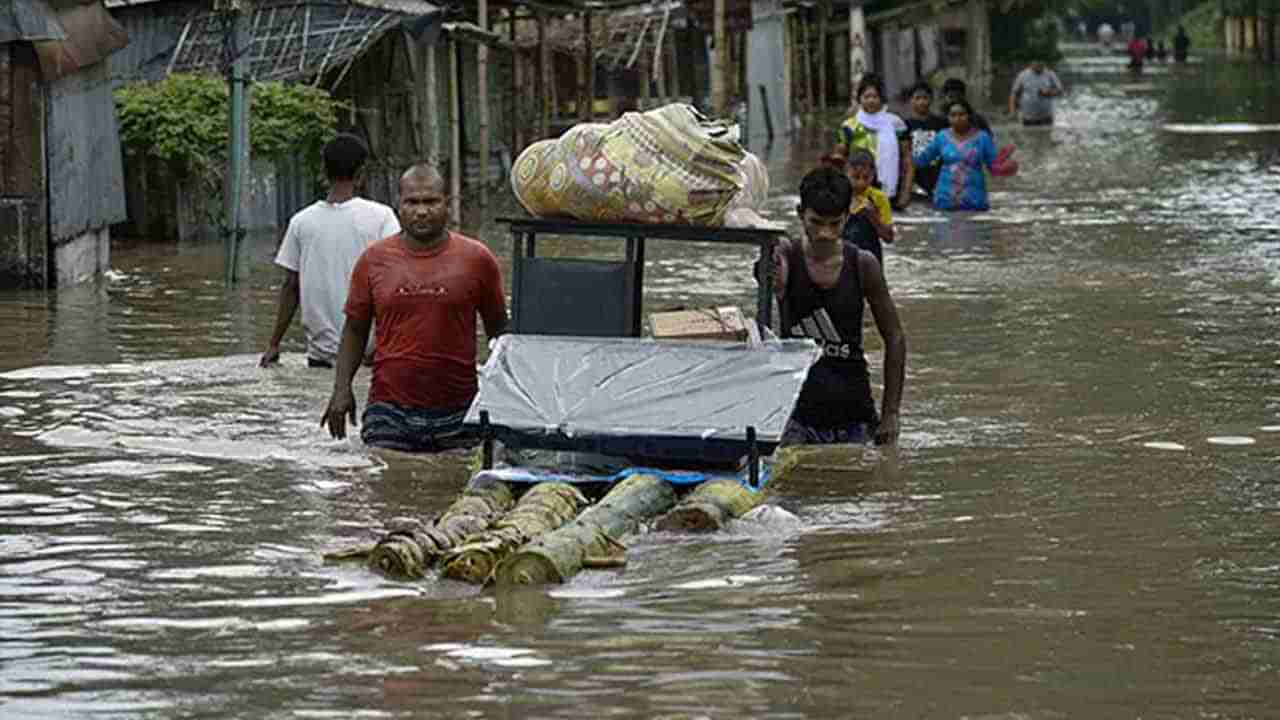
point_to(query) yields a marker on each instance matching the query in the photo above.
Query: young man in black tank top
(822, 283)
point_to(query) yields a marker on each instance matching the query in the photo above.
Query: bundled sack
(667, 165)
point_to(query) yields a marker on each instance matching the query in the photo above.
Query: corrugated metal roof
(68, 34)
(185, 36)
(153, 33)
(29, 21)
(405, 7)
(92, 35)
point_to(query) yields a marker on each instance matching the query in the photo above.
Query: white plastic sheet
(640, 397)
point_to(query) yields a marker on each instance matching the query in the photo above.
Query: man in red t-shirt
(424, 287)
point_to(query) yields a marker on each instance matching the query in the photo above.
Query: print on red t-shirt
(424, 305)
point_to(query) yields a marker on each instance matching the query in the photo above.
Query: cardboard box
(722, 323)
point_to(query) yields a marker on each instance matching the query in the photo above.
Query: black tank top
(837, 390)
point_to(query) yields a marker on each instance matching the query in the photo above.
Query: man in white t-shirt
(319, 250)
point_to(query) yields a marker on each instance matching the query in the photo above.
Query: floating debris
(1159, 445)
(1231, 440)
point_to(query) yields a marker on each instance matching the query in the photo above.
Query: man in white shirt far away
(319, 250)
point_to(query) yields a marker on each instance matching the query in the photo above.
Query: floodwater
(1082, 521)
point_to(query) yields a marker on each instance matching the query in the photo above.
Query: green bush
(1022, 34)
(183, 119)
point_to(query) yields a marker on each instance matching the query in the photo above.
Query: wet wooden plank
(25, 169)
(6, 116)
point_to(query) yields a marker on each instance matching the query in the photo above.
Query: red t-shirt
(424, 305)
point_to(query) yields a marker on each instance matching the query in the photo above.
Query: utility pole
(237, 44)
(719, 60)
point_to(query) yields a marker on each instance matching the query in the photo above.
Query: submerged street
(1080, 521)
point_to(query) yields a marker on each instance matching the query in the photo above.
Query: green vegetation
(183, 120)
(1203, 24)
(1022, 33)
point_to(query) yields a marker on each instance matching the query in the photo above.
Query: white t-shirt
(322, 244)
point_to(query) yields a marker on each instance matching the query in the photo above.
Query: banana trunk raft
(546, 536)
(591, 537)
(412, 546)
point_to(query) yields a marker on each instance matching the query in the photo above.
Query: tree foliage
(1023, 31)
(183, 119)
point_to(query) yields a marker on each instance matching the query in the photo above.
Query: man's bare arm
(286, 308)
(895, 345)
(342, 403)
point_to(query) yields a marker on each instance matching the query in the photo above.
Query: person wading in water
(425, 287)
(822, 284)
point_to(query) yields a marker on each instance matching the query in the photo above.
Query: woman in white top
(885, 135)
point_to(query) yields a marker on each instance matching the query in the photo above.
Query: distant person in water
(1106, 34)
(870, 214)
(1181, 45)
(424, 286)
(1162, 53)
(966, 153)
(881, 133)
(1137, 53)
(923, 124)
(823, 284)
(955, 89)
(320, 248)
(1033, 94)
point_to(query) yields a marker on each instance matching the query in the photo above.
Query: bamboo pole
(660, 72)
(656, 70)
(544, 78)
(543, 508)
(806, 64)
(672, 69)
(482, 99)
(517, 97)
(455, 138)
(710, 506)
(823, 11)
(589, 60)
(719, 60)
(238, 133)
(591, 539)
(428, 111)
(418, 105)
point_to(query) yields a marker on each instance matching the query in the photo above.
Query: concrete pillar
(83, 258)
(978, 52)
(858, 56)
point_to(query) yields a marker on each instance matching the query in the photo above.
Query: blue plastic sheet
(532, 476)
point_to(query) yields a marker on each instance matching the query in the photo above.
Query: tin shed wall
(86, 180)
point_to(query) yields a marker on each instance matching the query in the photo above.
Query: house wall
(383, 92)
(86, 180)
(766, 68)
(24, 259)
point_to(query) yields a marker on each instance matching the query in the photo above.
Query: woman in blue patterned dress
(966, 152)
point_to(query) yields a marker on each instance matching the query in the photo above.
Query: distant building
(61, 182)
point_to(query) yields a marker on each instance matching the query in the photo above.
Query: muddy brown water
(1061, 534)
